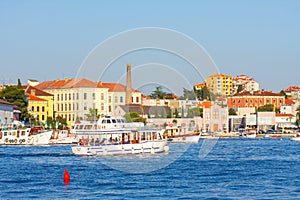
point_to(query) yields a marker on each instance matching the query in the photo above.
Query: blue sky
(46, 40)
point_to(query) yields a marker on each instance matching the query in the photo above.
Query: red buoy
(66, 177)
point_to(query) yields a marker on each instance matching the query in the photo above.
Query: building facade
(255, 99)
(220, 84)
(6, 112)
(246, 83)
(74, 98)
(40, 103)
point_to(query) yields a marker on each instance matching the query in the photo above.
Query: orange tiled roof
(289, 102)
(67, 83)
(38, 92)
(292, 88)
(257, 93)
(114, 87)
(284, 115)
(81, 83)
(35, 98)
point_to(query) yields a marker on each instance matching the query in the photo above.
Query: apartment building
(220, 84)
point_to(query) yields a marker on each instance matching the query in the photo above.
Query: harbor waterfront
(261, 168)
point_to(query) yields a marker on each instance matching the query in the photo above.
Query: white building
(248, 84)
(6, 112)
(73, 98)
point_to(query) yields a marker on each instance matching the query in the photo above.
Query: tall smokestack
(128, 85)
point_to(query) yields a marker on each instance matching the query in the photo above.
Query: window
(38, 109)
(85, 107)
(102, 106)
(57, 107)
(102, 96)
(62, 107)
(57, 97)
(66, 97)
(109, 108)
(109, 99)
(73, 96)
(43, 108)
(85, 96)
(66, 107)
(62, 97)
(77, 96)
(94, 96)
(69, 117)
(70, 106)
(43, 117)
(121, 99)
(137, 99)
(70, 97)
(32, 108)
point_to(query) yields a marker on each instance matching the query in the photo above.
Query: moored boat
(180, 135)
(296, 137)
(63, 137)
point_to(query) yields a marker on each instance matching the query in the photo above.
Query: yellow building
(40, 103)
(219, 84)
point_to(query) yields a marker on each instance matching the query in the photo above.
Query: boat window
(5, 133)
(108, 121)
(80, 127)
(119, 121)
(104, 121)
(114, 121)
(123, 121)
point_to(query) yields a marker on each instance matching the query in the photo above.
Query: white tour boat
(24, 136)
(63, 137)
(114, 136)
(180, 135)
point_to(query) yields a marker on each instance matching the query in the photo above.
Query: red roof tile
(292, 88)
(289, 102)
(284, 115)
(35, 98)
(37, 91)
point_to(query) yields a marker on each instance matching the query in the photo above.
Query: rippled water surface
(234, 169)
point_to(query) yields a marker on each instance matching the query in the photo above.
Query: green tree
(282, 93)
(16, 96)
(195, 112)
(60, 122)
(203, 94)
(240, 88)
(134, 117)
(176, 114)
(93, 114)
(267, 108)
(232, 111)
(158, 93)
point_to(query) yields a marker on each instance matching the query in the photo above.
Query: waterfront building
(6, 112)
(245, 83)
(40, 103)
(260, 121)
(215, 117)
(219, 84)
(286, 122)
(255, 99)
(74, 98)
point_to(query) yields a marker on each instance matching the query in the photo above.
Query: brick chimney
(128, 85)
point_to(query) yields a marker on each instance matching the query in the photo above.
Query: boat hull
(151, 147)
(297, 139)
(186, 139)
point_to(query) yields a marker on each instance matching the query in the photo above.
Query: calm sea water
(234, 169)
